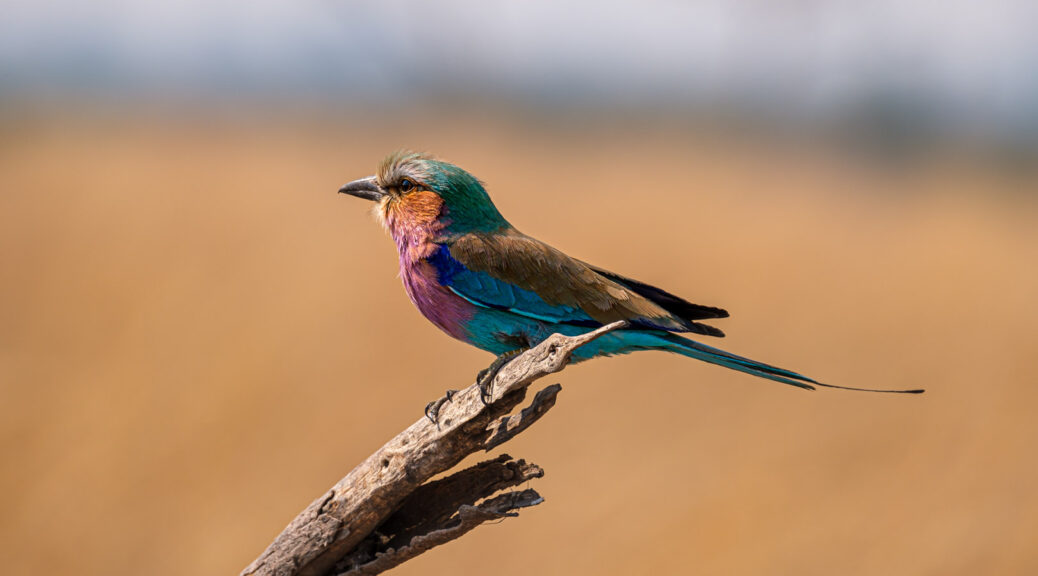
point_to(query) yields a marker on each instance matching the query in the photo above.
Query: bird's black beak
(366, 188)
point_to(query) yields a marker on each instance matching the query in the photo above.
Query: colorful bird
(480, 280)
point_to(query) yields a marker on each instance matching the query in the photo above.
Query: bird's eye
(406, 185)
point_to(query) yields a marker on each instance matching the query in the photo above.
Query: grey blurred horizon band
(965, 66)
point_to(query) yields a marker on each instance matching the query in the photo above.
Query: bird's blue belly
(498, 332)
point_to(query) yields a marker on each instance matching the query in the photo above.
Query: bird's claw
(432, 409)
(485, 381)
(486, 386)
(485, 378)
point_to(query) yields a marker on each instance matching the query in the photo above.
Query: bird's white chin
(381, 212)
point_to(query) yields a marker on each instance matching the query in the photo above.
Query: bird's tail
(694, 349)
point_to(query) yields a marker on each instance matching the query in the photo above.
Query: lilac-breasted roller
(477, 278)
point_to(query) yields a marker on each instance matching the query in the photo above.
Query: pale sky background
(969, 63)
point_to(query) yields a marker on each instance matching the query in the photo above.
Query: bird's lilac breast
(414, 240)
(442, 307)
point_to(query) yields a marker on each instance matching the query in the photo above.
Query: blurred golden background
(198, 336)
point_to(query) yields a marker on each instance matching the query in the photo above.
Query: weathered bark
(385, 511)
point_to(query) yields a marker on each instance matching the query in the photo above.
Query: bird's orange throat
(413, 220)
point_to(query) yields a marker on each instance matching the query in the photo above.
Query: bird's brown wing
(674, 304)
(559, 280)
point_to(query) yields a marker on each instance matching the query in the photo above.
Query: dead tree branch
(386, 511)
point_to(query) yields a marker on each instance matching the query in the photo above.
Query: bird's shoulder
(514, 257)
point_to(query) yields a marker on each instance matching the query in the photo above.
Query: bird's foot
(432, 409)
(486, 376)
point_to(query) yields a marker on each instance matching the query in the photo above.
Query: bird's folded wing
(525, 276)
(671, 303)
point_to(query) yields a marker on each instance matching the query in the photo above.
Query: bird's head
(415, 190)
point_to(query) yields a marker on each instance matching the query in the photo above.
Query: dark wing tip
(674, 304)
(692, 311)
(705, 329)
